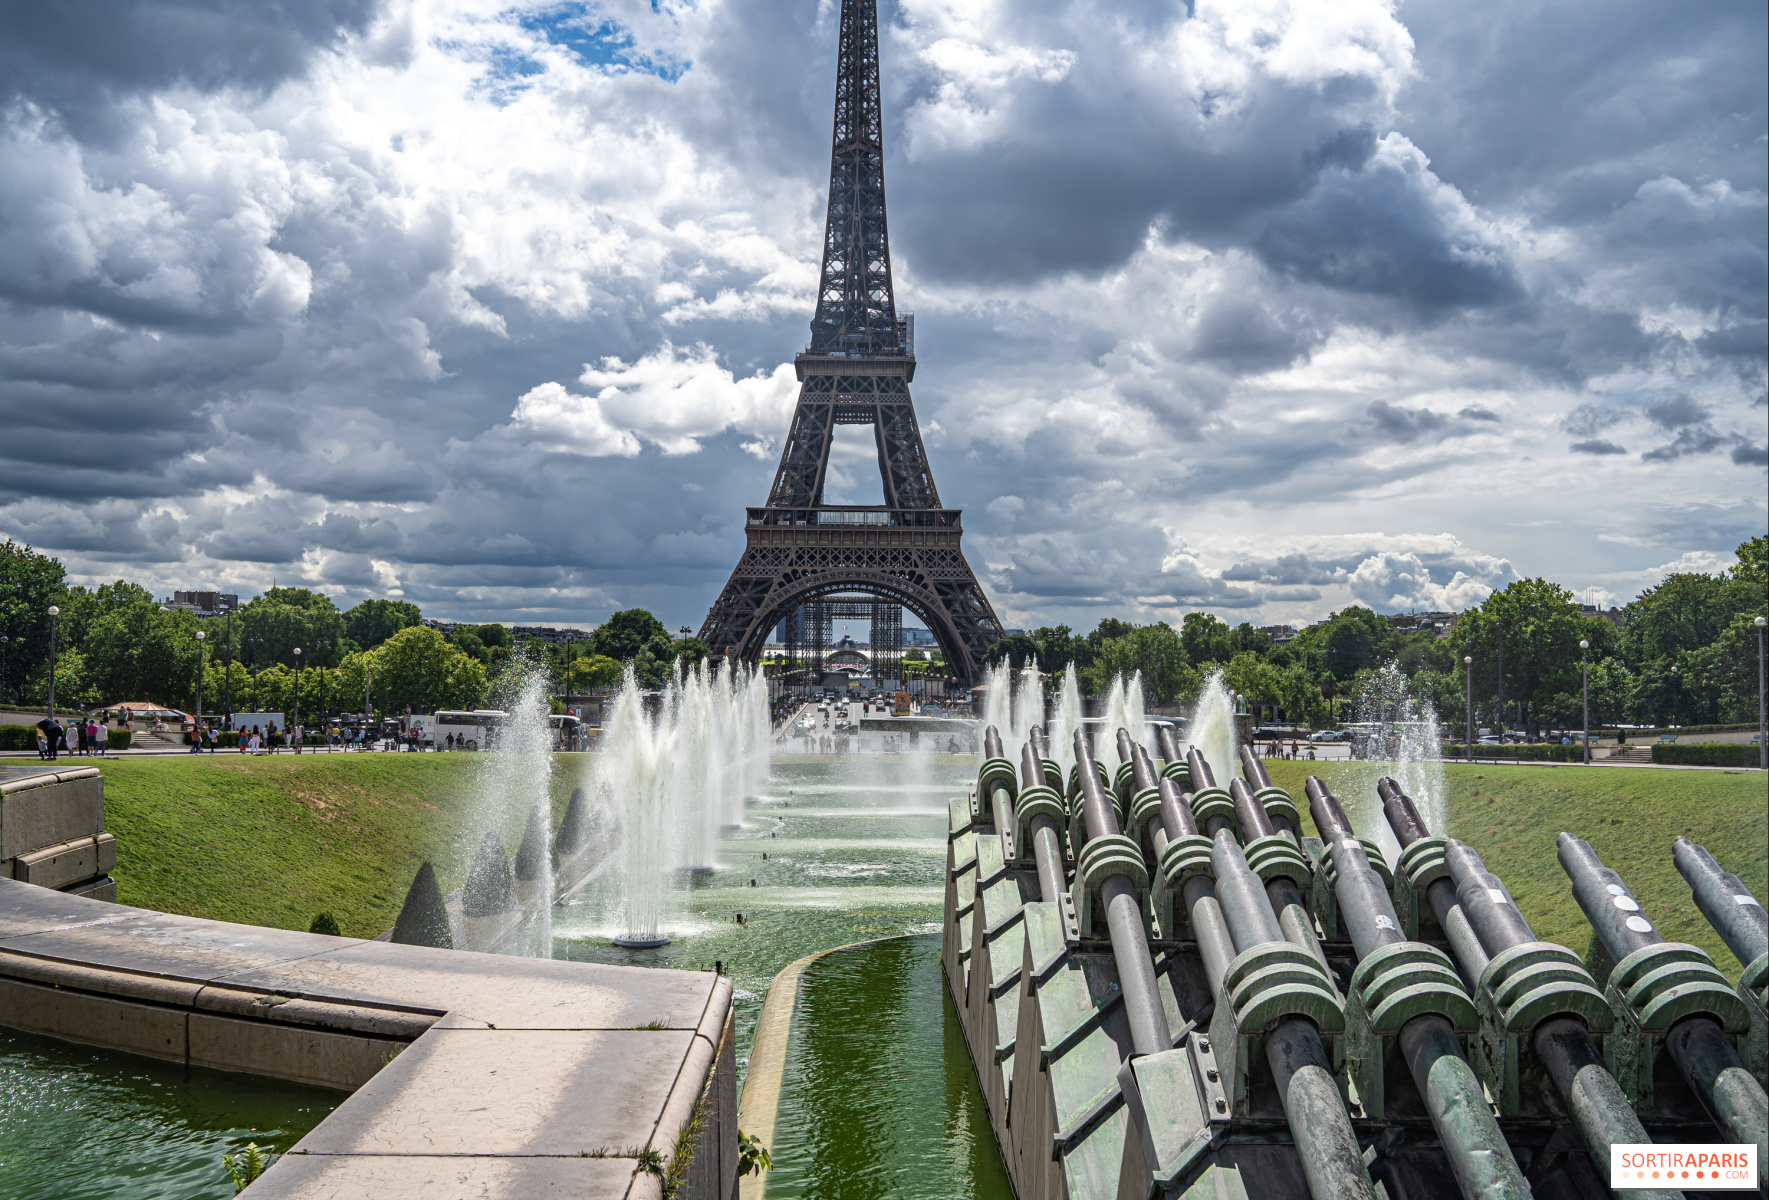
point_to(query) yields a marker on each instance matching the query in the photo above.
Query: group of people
(78, 737)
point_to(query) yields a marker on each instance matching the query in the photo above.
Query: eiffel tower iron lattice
(856, 371)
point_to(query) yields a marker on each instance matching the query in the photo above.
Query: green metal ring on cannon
(1145, 806)
(1389, 988)
(1100, 859)
(1323, 900)
(1123, 783)
(1105, 783)
(1184, 857)
(1179, 772)
(1213, 802)
(1261, 987)
(1520, 988)
(1034, 801)
(1275, 857)
(1278, 804)
(997, 772)
(1753, 989)
(1053, 775)
(1651, 990)
(1421, 864)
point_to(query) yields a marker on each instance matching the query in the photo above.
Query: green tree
(1347, 642)
(1154, 651)
(269, 627)
(1206, 639)
(1541, 629)
(374, 621)
(417, 669)
(29, 583)
(138, 651)
(623, 635)
(653, 661)
(689, 651)
(1017, 650)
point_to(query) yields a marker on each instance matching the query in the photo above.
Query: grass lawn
(276, 839)
(1512, 815)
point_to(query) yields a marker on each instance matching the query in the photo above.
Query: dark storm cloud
(1597, 446)
(1405, 424)
(77, 59)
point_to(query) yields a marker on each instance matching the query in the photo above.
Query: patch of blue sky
(598, 41)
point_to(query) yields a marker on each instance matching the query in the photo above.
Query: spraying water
(1065, 719)
(512, 788)
(1014, 702)
(1404, 739)
(1213, 729)
(1124, 710)
(678, 772)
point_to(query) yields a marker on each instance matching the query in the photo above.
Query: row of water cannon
(1160, 855)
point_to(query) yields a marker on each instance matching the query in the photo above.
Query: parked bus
(476, 730)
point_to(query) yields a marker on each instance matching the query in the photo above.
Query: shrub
(1521, 753)
(24, 737)
(1707, 754)
(325, 922)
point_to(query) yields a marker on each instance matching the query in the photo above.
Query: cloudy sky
(1252, 306)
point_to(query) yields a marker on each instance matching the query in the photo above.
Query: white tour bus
(475, 730)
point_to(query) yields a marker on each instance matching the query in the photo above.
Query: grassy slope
(1512, 815)
(274, 840)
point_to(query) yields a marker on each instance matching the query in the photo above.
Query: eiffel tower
(856, 371)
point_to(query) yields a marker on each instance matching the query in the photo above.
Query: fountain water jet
(1405, 737)
(1213, 728)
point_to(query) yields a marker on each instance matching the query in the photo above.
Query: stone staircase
(1633, 754)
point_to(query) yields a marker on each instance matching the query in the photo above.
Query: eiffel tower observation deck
(856, 371)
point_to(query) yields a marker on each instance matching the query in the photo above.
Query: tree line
(1684, 651)
(115, 643)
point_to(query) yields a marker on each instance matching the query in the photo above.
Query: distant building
(1279, 634)
(1439, 623)
(1612, 614)
(442, 627)
(550, 635)
(203, 604)
(918, 637)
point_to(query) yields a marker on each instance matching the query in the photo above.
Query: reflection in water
(878, 1098)
(78, 1123)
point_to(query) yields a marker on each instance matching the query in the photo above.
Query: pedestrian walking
(101, 734)
(78, 729)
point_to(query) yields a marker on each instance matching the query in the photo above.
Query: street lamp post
(1500, 624)
(227, 679)
(296, 724)
(256, 640)
(1585, 674)
(1762, 723)
(1468, 673)
(3, 642)
(54, 612)
(1674, 696)
(196, 732)
(368, 714)
(322, 644)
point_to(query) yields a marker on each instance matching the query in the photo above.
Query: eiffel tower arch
(856, 371)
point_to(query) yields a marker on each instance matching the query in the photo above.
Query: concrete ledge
(67, 862)
(473, 1074)
(47, 809)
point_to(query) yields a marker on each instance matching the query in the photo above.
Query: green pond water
(78, 1123)
(878, 1101)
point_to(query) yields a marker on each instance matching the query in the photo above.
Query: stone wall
(52, 833)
